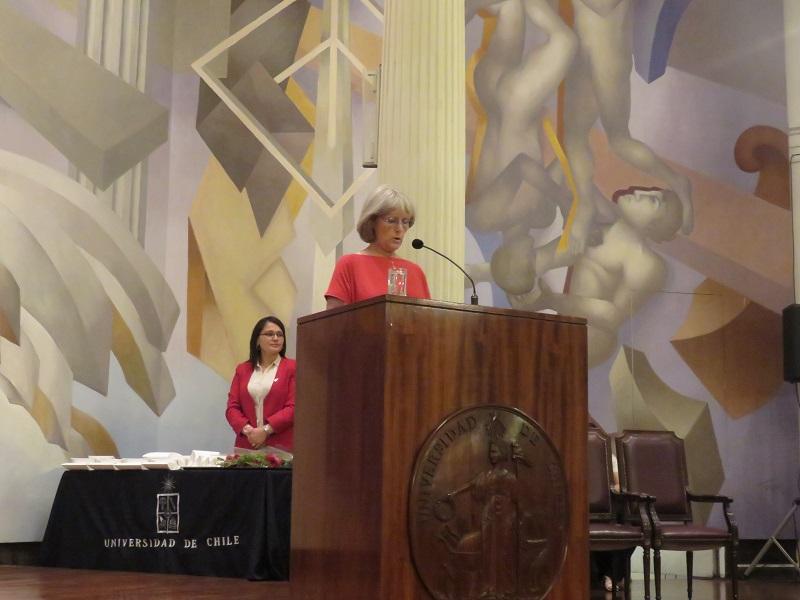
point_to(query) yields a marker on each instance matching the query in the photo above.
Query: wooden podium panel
(374, 380)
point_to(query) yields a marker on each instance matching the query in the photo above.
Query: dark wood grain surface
(374, 379)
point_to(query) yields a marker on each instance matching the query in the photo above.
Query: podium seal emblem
(488, 508)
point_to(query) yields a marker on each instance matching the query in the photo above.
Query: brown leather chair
(654, 462)
(610, 526)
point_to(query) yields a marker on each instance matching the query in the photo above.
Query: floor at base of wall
(20, 553)
(774, 563)
(776, 566)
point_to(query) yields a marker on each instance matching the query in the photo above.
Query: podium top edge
(439, 304)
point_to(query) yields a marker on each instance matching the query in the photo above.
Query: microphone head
(417, 243)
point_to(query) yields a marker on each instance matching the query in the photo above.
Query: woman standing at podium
(385, 219)
(261, 399)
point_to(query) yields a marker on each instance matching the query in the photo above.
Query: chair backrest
(600, 476)
(654, 462)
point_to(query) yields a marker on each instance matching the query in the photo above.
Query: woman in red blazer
(265, 380)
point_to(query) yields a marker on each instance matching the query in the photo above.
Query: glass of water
(397, 281)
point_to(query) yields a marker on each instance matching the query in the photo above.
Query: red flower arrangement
(254, 460)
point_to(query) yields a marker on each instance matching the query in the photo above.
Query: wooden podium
(374, 380)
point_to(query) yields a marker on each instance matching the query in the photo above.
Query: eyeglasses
(394, 222)
(272, 334)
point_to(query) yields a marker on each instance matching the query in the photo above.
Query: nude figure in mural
(598, 85)
(611, 280)
(513, 86)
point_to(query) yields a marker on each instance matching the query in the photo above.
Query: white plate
(161, 456)
(128, 464)
(71, 466)
(204, 454)
(160, 464)
(103, 466)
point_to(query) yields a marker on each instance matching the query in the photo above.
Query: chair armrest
(647, 498)
(726, 502)
(708, 498)
(644, 503)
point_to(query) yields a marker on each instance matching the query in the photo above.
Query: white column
(115, 36)
(421, 145)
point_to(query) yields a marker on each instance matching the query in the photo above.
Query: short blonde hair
(383, 199)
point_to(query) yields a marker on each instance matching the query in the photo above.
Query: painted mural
(171, 172)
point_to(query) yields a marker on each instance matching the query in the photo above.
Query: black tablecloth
(222, 522)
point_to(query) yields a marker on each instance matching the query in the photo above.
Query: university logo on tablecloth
(168, 515)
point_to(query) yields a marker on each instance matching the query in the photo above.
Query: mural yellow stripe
(295, 194)
(97, 437)
(44, 414)
(489, 25)
(7, 330)
(125, 348)
(550, 132)
(196, 289)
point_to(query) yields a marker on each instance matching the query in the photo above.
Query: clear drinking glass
(397, 281)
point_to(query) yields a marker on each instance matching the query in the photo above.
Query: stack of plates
(92, 463)
(162, 460)
(151, 460)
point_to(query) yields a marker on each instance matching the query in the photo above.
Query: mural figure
(611, 279)
(598, 85)
(513, 86)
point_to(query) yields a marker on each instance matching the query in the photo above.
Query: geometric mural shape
(242, 155)
(52, 399)
(9, 306)
(733, 346)
(333, 46)
(229, 260)
(739, 45)
(196, 24)
(19, 368)
(85, 287)
(643, 401)
(44, 415)
(142, 364)
(764, 150)
(229, 139)
(655, 22)
(269, 181)
(57, 286)
(100, 123)
(206, 337)
(95, 435)
(98, 232)
(36, 376)
(274, 44)
(30, 477)
(253, 63)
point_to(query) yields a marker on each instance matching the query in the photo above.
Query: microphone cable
(417, 243)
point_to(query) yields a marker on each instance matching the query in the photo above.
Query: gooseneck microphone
(418, 243)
